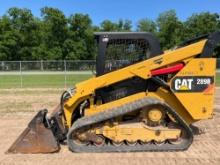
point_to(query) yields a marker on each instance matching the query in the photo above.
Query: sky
(114, 10)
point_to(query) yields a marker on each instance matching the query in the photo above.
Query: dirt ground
(22, 107)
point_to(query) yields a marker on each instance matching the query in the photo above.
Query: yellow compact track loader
(141, 99)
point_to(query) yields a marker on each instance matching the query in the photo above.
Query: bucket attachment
(36, 138)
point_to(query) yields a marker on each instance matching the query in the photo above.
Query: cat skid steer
(141, 99)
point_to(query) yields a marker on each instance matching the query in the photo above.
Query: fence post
(21, 78)
(65, 73)
(41, 65)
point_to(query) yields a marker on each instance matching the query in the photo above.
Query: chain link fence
(65, 74)
(218, 63)
(14, 74)
(76, 65)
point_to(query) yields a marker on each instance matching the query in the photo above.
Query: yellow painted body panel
(198, 104)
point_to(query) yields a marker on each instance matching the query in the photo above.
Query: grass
(41, 81)
(49, 80)
(218, 79)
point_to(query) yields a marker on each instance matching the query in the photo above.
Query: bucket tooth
(36, 138)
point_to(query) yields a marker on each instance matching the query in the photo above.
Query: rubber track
(86, 122)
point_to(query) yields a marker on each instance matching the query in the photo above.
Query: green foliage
(120, 26)
(80, 43)
(18, 34)
(170, 29)
(147, 25)
(202, 23)
(54, 36)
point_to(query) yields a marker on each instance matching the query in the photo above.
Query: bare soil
(22, 105)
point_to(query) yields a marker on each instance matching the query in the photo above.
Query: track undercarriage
(147, 125)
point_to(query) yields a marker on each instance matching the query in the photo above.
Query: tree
(170, 29)
(121, 25)
(202, 23)
(107, 26)
(55, 32)
(147, 25)
(19, 34)
(55, 37)
(80, 43)
(5, 38)
(96, 28)
(124, 25)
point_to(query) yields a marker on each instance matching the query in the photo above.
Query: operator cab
(120, 49)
